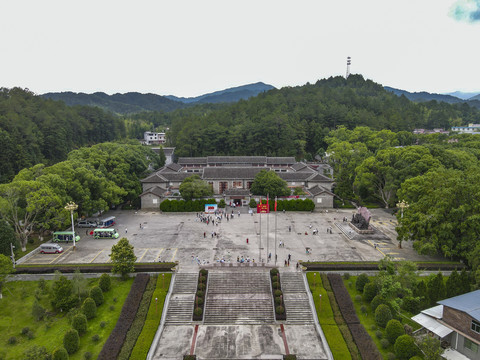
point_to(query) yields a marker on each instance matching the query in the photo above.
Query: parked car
(87, 224)
(50, 249)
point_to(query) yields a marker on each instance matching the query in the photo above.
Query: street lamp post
(403, 205)
(71, 206)
(320, 303)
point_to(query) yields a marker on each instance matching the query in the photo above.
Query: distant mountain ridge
(424, 96)
(228, 95)
(134, 102)
(464, 95)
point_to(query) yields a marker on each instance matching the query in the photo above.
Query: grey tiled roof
(468, 303)
(168, 150)
(156, 190)
(298, 166)
(192, 160)
(320, 177)
(153, 178)
(295, 176)
(176, 176)
(317, 190)
(236, 160)
(231, 173)
(174, 167)
(239, 192)
(280, 160)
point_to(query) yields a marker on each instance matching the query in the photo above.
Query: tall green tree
(7, 238)
(123, 258)
(6, 268)
(193, 187)
(269, 183)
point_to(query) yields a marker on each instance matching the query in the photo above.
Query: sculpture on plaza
(361, 219)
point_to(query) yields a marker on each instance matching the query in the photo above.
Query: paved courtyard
(182, 237)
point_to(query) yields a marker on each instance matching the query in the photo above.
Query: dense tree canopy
(269, 183)
(195, 188)
(34, 130)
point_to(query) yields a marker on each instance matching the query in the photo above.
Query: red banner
(262, 209)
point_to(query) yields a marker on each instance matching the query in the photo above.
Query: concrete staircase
(295, 297)
(238, 298)
(180, 307)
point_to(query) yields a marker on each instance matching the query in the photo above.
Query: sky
(192, 47)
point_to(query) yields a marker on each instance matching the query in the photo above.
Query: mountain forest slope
(35, 130)
(294, 121)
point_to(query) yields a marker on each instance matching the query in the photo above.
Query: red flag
(275, 203)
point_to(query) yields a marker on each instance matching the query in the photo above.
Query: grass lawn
(154, 315)
(16, 314)
(325, 317)
(368, 318)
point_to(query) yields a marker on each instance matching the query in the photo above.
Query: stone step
(238, 283)
(297, 308)
(292, 282)
(180, 309)
(185, 283)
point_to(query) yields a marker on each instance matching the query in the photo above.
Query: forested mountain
(132, 102)
(35, 130)
(228, 95)
(424, 96)
(294, 121)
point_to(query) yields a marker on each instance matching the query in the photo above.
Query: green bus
(64, 236)
(105, 234)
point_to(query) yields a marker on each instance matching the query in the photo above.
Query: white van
(50, 248)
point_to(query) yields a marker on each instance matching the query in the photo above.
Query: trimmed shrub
(363, 309)
(273, 272)
(60, 354)
(385, 343)
(202, 279)
(377, 300)
(279, 309)
(96, 338)
(276, 285)
(382, 315)
(204, 272)
(379, 334)
(79, 323)
(88, 355)
(200, 293)
(405, 347)
(105, 282)
(358, 298)
(102, 324)
(275, 278)
(12, 340)
(25, 330)
(408, 329)
(278, 292)
(362, 279)
(346, 276)
(199, 300)
(198, 311)
(370, 290)
(201, 286)
(278, 300)
(393, 330)
(89, 308)
(97, 295)
(71, 341)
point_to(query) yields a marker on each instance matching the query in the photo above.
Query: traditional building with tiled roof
(232, 176)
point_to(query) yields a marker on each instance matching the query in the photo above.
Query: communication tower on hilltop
(349, 61)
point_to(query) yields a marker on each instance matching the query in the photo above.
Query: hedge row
(200, 295)
(365, 344)
(291, 205)
(137, 325)
(324, 266)
(114, 343)
(185, 206)
(337, 316)
(91, 268)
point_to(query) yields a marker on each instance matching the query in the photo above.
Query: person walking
(247, 240)
(126, 230)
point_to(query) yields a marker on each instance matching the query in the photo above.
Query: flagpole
(268, 212)
(275, 243)
(260, 241)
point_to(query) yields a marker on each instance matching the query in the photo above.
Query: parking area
(184, 238)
